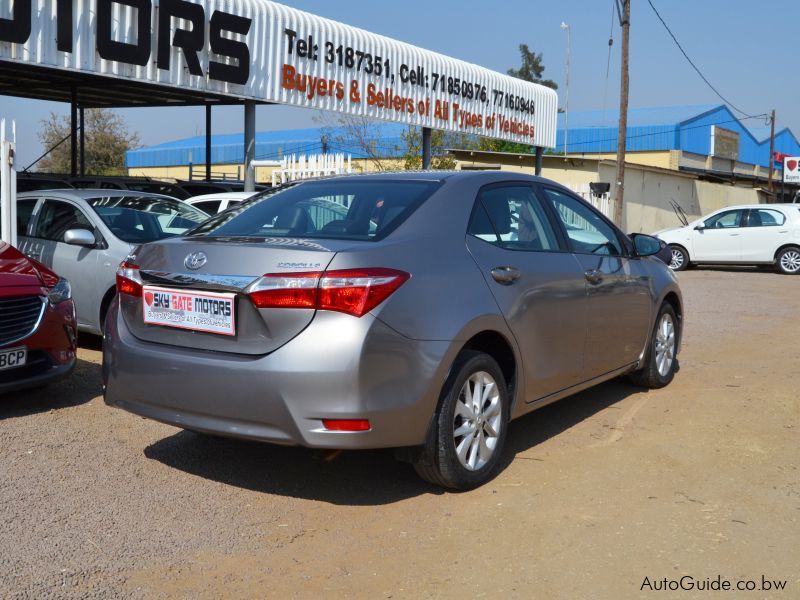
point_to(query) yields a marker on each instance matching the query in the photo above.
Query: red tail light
(346, 424)
(351, 291)
(128, 280)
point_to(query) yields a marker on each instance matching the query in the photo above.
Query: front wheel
(788, 261)
(465, 445)
(680, 259)
(661, 360)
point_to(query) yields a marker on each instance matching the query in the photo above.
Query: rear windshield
(142, 219)
(348, 209)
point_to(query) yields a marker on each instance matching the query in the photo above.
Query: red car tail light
(286, 290)
(346, 424)
(129, 282)
(351, 291)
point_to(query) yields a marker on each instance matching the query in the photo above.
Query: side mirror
(700, 227)
(80, 237)
(647, 245)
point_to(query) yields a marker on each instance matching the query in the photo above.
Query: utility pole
(568, 29)
(625, 23)
(771, 151)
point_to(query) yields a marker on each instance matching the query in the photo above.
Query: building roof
(270, 145)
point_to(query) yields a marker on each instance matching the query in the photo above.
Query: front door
(538, 286)
(719, 240)
(619, 299)
(75, 263)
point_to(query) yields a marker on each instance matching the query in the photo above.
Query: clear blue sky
(747, 51)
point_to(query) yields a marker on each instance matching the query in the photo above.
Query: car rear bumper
(339, 367)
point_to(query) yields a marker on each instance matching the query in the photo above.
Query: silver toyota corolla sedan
(416, 311)
(84, 234)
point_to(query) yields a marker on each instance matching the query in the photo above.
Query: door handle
(594, 276)
(734, 234)
(505, 275)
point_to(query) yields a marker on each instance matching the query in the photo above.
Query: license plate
(16, 357)
(196, 311)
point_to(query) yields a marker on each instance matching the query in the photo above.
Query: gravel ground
(600, 490)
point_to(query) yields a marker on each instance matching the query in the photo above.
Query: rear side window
(349, 209)
(512, 217)
(209, 206)
(24, 213)
(764, 217)
(56, 218)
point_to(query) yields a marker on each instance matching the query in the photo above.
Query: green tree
(532, 68)
(106, 141)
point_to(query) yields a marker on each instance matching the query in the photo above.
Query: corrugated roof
(637, 117)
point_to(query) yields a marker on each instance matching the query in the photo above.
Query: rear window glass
(349, 209)
(142, 219)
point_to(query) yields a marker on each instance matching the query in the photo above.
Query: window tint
(368, 210)
(56, 218)
(209, 206)
(141, 219)
(725, 220)
(512, 217)
(763, 217)
(24, 213)
(587, 231)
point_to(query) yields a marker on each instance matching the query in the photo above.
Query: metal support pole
(539, 155)
(208, 142)
(771, 153)
(249, 145)
(619, 195)
(426, 148)
(83, 143)
(73, 124)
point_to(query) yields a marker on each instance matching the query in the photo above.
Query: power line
(694, 66)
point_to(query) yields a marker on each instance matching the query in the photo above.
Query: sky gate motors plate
(207, 311)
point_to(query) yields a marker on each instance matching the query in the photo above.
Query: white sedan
(758, 234)
(216, 203)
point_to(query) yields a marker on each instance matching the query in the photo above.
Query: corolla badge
(195, 260)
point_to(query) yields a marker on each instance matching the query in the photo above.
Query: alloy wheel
(665, 345)
(677, 259)
(790, 261)
(477, 420)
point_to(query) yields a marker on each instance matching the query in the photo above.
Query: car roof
(221, 196)
(84, 194)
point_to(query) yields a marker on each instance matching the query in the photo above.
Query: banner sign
(791, 169)
(264, 51)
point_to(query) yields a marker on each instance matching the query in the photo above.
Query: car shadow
(761, 270)
(355, 478)
(82, 386)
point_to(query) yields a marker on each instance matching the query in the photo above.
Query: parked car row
(182, 190)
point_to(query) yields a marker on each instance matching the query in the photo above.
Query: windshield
(345, 209)
(142, 219)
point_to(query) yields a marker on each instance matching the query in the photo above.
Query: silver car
(83, 235)
(414, 311)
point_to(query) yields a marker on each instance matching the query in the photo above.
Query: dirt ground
(600, 491)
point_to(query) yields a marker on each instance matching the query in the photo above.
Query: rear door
(78, 264)
(619, 298)
(766, 230)
(720, 238)
(538, 285)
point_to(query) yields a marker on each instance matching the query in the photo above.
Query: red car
(38, 328)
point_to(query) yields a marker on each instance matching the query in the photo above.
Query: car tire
(465, 445)
(661, 360)
(680, 258)
(788, 261)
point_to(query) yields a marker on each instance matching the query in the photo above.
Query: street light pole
(567, 28)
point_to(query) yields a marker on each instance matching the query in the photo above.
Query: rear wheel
(661, 361)
(680, 258)
(788, 261)
(464, 448)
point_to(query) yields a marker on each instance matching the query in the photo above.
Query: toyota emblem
(195, 260)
